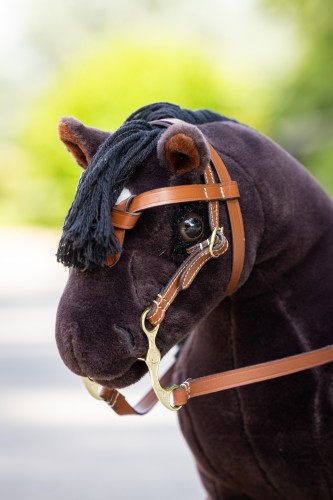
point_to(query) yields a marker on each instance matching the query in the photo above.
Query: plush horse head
(249, 442)
(98, 328)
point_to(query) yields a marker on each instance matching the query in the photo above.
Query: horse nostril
(127, 334)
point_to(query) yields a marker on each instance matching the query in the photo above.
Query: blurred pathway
(55, 441)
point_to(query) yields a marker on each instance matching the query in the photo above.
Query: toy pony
(155, 242)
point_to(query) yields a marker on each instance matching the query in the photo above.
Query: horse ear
(81, 141)
(183, 148)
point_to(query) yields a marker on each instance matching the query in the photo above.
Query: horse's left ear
(183, 148)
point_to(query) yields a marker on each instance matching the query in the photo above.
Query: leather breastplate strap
(220, 381)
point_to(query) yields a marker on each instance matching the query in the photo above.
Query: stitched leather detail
(237, 228)
(159, 312)
(255, 373)
(213, 209)
(183, 194)
(195, 267)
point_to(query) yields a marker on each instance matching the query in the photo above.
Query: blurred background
(267, 63)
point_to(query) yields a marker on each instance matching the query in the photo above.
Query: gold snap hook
(153, 358)
(92, 387)
(153, 329)
(213, 240)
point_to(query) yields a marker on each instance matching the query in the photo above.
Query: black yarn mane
(88, 235)
(161, 110)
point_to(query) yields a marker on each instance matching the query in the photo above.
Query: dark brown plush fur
(268, 441)
(183, 148)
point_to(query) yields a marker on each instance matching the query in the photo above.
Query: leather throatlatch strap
(236, 223)
(125, 216)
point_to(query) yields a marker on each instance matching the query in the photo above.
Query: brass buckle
(152, 360)
(212, 241)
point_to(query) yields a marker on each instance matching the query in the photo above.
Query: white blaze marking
(126, 193)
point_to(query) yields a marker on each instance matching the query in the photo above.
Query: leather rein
(217, 187)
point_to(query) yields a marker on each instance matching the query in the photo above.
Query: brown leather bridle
(217, 187)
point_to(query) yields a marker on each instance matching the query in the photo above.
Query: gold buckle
(152, 360)
(212, 241)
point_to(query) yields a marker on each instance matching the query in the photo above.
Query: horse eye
(191, 227)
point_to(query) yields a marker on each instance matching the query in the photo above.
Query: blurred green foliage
(304, 108)
(101, 89)
(110, 80)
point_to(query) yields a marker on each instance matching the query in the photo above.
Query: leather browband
(126, 214)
